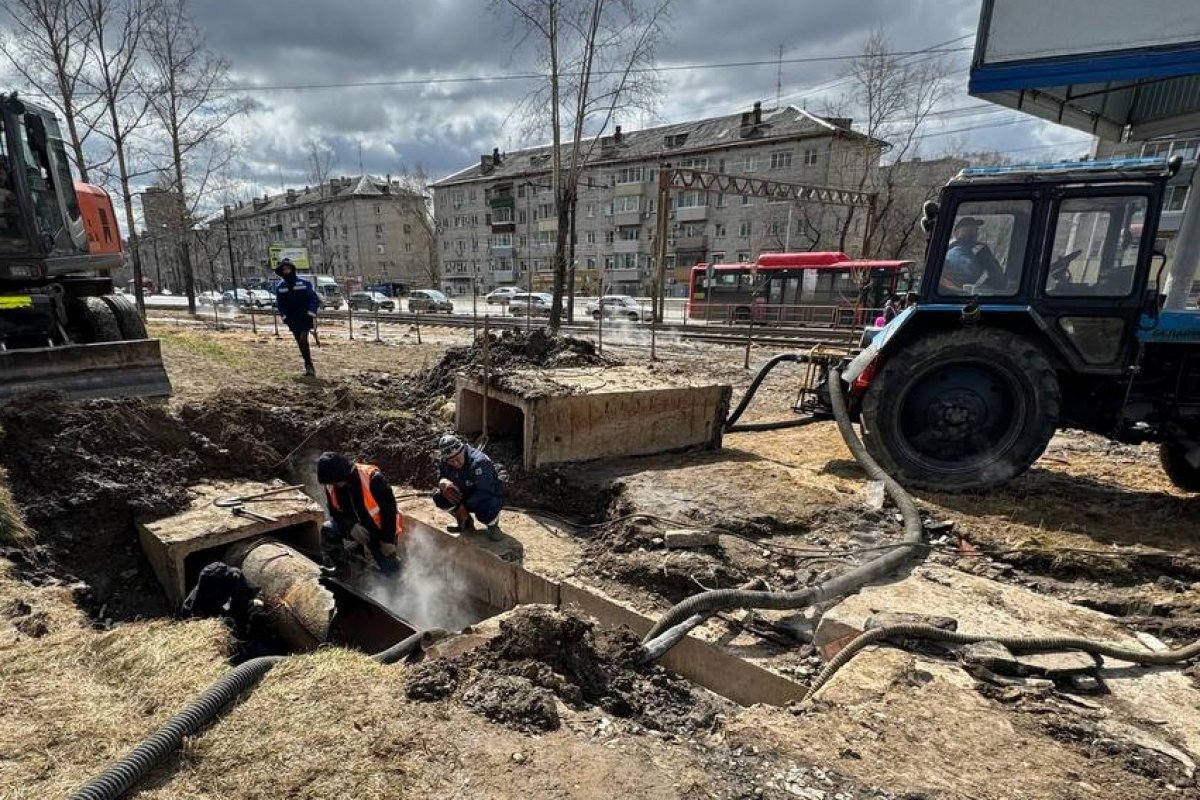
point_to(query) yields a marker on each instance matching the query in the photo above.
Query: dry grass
(13, 530)
(75, 700)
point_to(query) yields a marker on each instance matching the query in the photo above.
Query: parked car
(616, 306)
(502, 295)
(429, 300)
(371, 301)
(209, 298)
(254, 298)
(534, 305)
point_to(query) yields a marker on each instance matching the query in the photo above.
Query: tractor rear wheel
(965, 410)
(1174, 461)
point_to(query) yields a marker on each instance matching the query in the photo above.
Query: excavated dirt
(541, 654)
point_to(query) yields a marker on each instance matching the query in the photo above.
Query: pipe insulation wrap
(135, 765)
(708, 603)
(1016, 644)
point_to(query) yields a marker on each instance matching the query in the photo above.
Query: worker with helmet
(468, 485)
(298, 304)
(362, 509)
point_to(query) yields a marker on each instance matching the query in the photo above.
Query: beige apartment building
(363, 227)
(496, 222)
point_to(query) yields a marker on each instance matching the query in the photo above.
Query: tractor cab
(1038, 309)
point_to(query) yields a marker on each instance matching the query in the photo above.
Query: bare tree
(47, 46)
(597, 56)
(320, 163)
(115, 30)
(186, 86)
(415, 180)
(894, 95)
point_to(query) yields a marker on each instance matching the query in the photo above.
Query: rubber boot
(494, 533)
(309, 370)
(465, 523)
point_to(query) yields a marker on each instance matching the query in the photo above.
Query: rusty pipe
(302, 609)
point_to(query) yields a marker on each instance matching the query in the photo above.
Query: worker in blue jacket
(468, 485)
(298, 303)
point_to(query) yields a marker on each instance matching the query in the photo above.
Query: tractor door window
(12, 239)
(1097, 241)
(986, 254)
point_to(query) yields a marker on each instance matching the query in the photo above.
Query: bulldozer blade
(83, 371)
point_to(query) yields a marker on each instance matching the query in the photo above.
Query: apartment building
(497, 225)
(1185, 145)
(359, 227)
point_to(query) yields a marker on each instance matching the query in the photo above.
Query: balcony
(502, 276)
(624, 275)
(504, 226)
(502, 201)
(627, 189)
(691, 213)
(690, 244)
(544, 225)
(627, 245)
(627, 218)
(501, 249)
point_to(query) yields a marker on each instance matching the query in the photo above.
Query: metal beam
(762, 187)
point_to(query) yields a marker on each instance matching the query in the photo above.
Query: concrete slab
(179, 546)
(1161, 697)
(584, 414)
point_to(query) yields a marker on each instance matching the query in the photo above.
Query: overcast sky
(446, 126)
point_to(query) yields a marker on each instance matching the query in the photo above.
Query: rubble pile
(541, 656)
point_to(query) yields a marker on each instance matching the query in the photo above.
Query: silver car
(429, 300)
(531, 305)
(616, 306)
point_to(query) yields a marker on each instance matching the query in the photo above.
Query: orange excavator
(63, 328)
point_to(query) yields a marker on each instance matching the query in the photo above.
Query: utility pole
(229, 249)
(660, 246)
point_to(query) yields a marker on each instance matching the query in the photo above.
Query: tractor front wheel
(1174, 461)
(959, 411)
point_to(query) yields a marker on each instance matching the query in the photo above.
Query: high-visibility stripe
(9, 302)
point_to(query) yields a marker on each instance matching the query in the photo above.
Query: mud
(541, 654)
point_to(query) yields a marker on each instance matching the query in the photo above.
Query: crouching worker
(468, 485)
(362, 509)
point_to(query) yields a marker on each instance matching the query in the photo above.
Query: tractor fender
(858, 365)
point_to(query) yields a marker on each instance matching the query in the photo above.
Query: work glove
(388, 565)
(449, 490)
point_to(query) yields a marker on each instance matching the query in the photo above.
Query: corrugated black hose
(684, 614)
(130, 770)
(731, 422)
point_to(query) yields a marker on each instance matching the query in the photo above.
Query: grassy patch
(13, 530)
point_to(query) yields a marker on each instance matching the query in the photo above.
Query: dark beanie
(333, 468)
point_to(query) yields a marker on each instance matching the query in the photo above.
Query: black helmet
(334, 468)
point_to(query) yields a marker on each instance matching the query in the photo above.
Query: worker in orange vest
(362, 509)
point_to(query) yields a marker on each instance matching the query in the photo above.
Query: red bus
(809, 288)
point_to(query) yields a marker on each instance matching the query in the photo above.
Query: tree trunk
(573, 266)
(127, 199)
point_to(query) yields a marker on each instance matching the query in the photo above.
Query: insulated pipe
(1017, 644)
(707, 603)
(130, 770)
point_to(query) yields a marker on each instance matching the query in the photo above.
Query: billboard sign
(297, 255)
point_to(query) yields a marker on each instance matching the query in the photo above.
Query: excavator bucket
(131, 368)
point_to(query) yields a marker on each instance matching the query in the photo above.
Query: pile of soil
(542, 656)
(510, 350)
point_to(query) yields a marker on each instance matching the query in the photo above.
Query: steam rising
(426, 593)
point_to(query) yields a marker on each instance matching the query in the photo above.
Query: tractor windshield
(1097, 242)
(986, 253)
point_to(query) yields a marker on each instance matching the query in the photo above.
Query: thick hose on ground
(1017, 644)
(707, 603)
(130, 770)
(753, 388)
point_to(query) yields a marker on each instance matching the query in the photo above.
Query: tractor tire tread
(1023, 453)
(98, 320)
(128, 319)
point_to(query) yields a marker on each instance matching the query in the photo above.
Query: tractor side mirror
(929, 213)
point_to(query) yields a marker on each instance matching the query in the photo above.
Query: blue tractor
(1039, 309)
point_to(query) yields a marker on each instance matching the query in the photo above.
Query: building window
(608, 237)
(502, 240)
(719, 230)
(744, 228)
(716, 257)
(591, 263)
(693, 163)
(544, 211)
(378, 231)
(630, 233)
(776, 228)
(591, 209)
(628, 203)
(521, 193)
(378, 208)
(721, 165)
(751, 164)
(810, 156)
(522, 241)
(720, 201)
(781, 159)
(743, 257)
(591, 237)
(608, 262)
(691, 199)
(380, 249)
(407, 229)
(473, 196)
(521, 218)
(745, 199)
(629, 175)
(1176, 197)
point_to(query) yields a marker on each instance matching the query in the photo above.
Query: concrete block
(689, 537)
(179, 546)
(578, 414)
